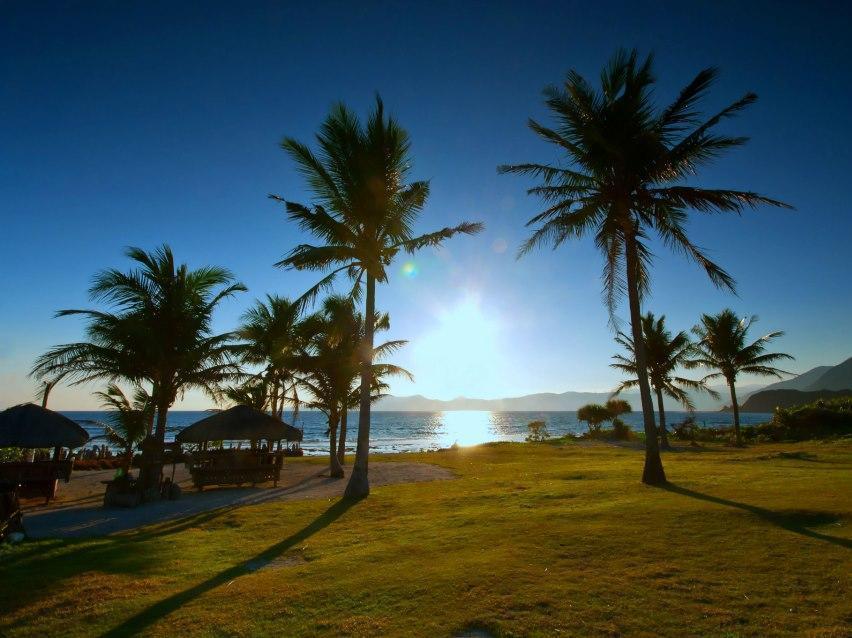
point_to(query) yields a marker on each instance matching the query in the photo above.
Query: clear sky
(138, 123)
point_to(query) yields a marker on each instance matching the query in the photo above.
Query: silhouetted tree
(723, 346)
(627, 162)
(364, 213)
(129, 422)
(273, 336)
(157, 331)
(594, 414)
(665, 354)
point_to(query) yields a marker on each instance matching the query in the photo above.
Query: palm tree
(722, 345)
(330, 368)
(274, 336)
(363, 213)
(254, 393)
(665, 354)
(130, 421)
(628, 161)
(156, 331)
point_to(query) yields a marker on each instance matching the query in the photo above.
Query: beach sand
(78, 511)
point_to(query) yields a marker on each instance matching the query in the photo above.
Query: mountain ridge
(568, 401)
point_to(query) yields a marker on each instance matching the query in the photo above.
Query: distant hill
(541, 402)
(768, 400)
(837, 378)
(802, 381)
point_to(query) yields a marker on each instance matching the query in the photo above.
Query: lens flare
(409, 269)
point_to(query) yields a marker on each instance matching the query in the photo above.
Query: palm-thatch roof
(32, 426)
(240, 423)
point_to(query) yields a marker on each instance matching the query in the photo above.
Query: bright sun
(461, 354)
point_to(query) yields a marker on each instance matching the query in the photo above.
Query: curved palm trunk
(359, 484)
(335, 470)
(653, 473)
(737, 436)
(664, 435)
(341, 445)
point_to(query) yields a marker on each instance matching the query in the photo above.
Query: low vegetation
(529, 540)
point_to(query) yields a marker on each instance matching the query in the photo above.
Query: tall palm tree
(330, 367)
(364, 212)
(627, 163)
(254, 392)
(274, 336)
(129, 420)
(665, 354)
(156, 331)
(723, 346)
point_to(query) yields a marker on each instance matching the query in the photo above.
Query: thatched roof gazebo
(31, 426)
(237, 466)
(240, 423)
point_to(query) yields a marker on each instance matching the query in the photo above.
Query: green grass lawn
(531, 539)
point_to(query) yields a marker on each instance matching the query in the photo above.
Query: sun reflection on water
(469, 427)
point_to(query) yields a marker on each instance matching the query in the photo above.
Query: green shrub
(537, 431)
(620, 430)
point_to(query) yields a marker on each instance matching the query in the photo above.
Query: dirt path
(78, 510)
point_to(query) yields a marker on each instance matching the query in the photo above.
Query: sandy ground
(78, 509)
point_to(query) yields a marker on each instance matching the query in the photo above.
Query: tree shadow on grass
(797, 521)
(159, 610)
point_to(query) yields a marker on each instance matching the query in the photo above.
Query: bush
(537, 431)
(620, 431)
(822, 418)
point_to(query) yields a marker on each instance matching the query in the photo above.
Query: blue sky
(138, 123)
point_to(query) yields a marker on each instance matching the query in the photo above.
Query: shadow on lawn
(796, 521)
(159, 610)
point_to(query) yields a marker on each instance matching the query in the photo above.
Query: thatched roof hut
(240, 423)
(32, 426)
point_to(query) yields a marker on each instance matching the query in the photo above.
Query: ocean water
(394, 432)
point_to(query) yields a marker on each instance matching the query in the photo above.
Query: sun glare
(465, 428)
(461, 354)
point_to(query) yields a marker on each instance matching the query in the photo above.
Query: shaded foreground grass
(531, 539)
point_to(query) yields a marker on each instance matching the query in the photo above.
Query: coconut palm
(626, 164)
(156, 331)
(723, 345)
(330, 367)
(363, 214)
(274, 336)
(254, 392)
(130, 421)
(665, 354)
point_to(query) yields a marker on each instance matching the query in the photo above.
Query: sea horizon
(394, 432)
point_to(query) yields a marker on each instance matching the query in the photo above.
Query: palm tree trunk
(737, 436)
(273, 396)
(653, 473)
(664, 436)
(335, 470)
(359, 484)
(341, 445)
(152, 452)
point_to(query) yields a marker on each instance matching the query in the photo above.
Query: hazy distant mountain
(822, 382)
(542, 402)
(801, 382)
(837, 378)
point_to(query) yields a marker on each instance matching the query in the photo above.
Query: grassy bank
(531, 539)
